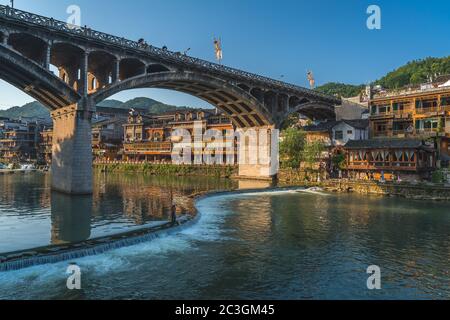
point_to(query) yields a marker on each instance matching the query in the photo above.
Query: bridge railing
(174, 56)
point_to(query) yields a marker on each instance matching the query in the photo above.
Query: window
(381, 127)
(338, 135)
(350, 132)
(400, 107)
(427, 124)
(445, 101)
(384, 109)
(374, 109)
(426, 104)
(94, 83)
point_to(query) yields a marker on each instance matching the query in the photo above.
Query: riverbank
(168, 169)
(12, 171)
(419, 191)
(286, 178)
(294, 178)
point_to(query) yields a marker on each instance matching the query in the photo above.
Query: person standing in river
(173, 215)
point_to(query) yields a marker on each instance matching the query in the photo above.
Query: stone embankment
(422, 191)
(168, 169)
(419, 191)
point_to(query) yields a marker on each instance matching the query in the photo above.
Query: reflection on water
(70, 218)
(31, 215)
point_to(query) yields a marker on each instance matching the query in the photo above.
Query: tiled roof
(321, 127)
(358, 123)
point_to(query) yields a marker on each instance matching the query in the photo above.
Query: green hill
(341, 89)
(32, 109)
(110, 103)
(413, 73)
(35, 109)
(416, 72)
(152, 106)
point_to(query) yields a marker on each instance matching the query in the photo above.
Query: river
(286, 244)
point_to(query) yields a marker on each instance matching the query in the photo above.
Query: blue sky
(272, 38)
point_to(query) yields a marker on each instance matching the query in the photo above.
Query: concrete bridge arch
(243, 109)
(311, 109)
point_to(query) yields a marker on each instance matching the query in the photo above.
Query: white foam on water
(313, 191)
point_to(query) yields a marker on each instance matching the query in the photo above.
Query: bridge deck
(11, 14)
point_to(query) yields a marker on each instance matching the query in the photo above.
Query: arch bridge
(93, 66)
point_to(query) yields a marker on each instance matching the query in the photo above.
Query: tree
(312, 152)
(416, 72)
(341, 89)
(339, 161)
(290, 121)
(291, 146)
(417, 78)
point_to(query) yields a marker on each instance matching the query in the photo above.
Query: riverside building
(19, 140)
(150, 137)
(107, 133)
(409, 133)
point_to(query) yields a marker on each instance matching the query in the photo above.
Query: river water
(288, 244)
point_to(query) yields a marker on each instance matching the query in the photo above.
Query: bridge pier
(258, 153)
(72, 149)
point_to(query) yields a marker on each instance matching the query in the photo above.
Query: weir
(53, 254)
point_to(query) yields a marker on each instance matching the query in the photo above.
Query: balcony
(381, 114)
(427, 110)
(427, 132)
(402, 133)
(381, 133)
(382, 165)
(148, 148)
(403, 113)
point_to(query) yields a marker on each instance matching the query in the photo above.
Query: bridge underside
(240, 110)
(312, 110)
(243, 109)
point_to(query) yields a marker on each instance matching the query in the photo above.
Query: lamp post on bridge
(12, 3)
